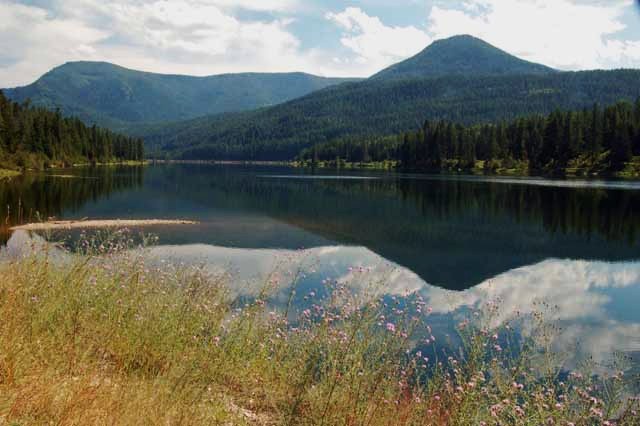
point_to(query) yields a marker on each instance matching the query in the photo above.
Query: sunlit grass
(105, 338)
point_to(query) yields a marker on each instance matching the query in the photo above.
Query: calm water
(460, 242)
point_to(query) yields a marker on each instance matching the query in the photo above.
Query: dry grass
(109, 340)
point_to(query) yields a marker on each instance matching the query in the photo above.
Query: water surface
(459, 241)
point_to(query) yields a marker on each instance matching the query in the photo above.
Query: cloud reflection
(588, 299)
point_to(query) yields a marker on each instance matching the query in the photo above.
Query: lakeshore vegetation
(36, 138)
(593, 141)
(106, 337)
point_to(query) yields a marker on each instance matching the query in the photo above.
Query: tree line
(592, 140)
(36, 138)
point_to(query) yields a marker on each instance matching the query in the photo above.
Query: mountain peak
(461, 55)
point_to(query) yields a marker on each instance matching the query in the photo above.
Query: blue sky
(330, 37)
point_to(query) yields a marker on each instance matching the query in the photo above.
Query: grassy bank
(106, 338)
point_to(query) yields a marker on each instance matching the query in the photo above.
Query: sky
(324, 37)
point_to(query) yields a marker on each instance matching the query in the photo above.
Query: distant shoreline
(229, 162)
(392, 166)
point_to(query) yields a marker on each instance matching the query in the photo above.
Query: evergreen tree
(595, 140)
(33, 137)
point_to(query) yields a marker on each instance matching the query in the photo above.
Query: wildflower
(495, 410)
(391, 327)
(595, 412)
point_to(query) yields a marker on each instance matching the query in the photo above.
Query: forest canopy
(36, 138)
(593, 140)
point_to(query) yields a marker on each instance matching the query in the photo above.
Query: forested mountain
(115, 97)
(590, 141)
(33, 138)
(462, 79)
(385, 107)
(461, 55)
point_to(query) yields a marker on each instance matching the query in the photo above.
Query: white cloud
(578, 296)
(376, 45)
(30, 42)
(561, 33)
(199, 37)
(202, 37)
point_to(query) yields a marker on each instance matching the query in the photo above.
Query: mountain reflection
(452, 232)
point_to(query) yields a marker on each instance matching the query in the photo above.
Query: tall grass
(108, 339)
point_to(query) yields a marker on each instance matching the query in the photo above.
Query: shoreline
(392, 166)
(7, 173)
(386, 166)
(93, 224)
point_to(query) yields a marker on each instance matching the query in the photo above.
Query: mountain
(461, 55)
(113, 96)
(502, 88)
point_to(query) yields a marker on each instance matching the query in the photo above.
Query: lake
(568, 248)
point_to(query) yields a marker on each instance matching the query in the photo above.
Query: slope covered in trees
(588, 141)
(114, 97)
(33, 138)
(382, 107)
(460, 55)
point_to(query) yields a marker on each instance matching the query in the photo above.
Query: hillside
(115, 97)
(378, 107)
(461, 55)
(481, 83)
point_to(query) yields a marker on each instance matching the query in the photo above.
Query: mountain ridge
(115, 96)
(461, 79)
(396, 100)
(379, 107)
